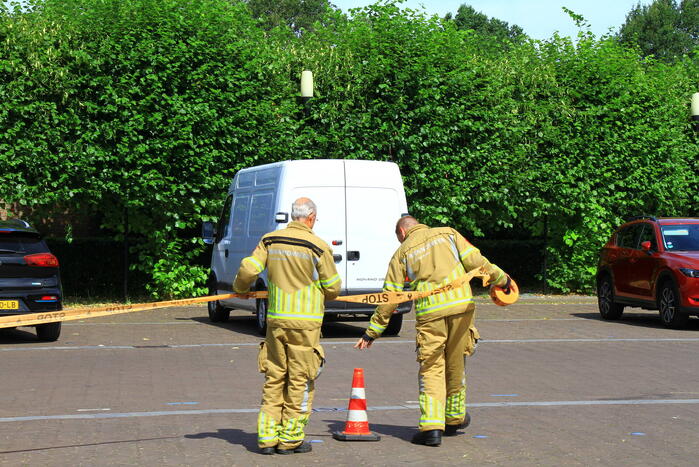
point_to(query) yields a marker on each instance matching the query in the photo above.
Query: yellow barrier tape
(377, 298)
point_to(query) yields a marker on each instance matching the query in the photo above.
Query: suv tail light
(42, 260)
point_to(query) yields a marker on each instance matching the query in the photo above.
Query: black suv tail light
(42, 260)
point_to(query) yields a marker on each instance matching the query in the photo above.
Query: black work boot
(300, 449)
(450, 430)
(428, 438)
(268, 450)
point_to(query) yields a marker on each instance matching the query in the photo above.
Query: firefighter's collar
(414, 229)
(299, 225)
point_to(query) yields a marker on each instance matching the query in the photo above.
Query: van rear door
(375, 201)
(328, 193)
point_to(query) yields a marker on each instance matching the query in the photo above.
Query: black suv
(30, 281)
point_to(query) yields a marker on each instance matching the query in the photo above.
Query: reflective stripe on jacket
(301, 273)
(431, 258)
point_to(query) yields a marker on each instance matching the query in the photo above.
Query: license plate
(9, 304)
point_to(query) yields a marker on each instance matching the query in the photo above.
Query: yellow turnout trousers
(291, 360)
(442, 345)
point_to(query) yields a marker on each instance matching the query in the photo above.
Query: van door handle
(225, 252)
(352, 256)
(337, 258)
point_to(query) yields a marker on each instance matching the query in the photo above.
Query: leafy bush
(141, 111)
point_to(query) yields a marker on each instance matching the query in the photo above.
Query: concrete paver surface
(550, 384)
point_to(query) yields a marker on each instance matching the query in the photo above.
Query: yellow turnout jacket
(301, 274)
(430, 258)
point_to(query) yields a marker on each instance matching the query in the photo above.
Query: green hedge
(141, 111)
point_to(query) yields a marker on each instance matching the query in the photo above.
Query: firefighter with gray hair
(301, 275)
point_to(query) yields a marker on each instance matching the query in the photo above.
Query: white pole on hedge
(695, 110)
(306, 89)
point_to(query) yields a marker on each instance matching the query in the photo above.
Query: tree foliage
(467, 18)
(299, 15)
(145, 109)
(664, 29)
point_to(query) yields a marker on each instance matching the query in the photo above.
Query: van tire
(394, 325)
(261, 306)
(48, 332)
(217, 313)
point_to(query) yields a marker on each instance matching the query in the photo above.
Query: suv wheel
(668, 305)
(217, 313)
(608, 308)
(261, 316)
(48, 332)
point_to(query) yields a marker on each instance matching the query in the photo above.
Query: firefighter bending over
(431, 258)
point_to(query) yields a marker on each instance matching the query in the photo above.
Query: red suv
(652, 264)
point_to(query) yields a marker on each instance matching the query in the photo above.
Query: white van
(358, 205)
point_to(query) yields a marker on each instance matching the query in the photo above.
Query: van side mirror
(645, 246)
(208, 232)
(281, 217)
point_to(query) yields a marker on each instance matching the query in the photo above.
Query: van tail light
(42, 260)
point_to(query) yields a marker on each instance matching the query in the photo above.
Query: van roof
(311, 161)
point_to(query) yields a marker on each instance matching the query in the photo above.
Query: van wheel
(217, 313)
(668, 306)
(608, 309)
(394, 325)
(261, 316)
(48, 332)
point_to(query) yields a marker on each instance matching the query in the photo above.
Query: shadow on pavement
(342, 329)
(646, 320)
(240, 324)
(395, 431)
(91, 444)
(231, 435)
(246, 325)
(17, 336)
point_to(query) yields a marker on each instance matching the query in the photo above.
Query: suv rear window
(21, 244)
(681, 237)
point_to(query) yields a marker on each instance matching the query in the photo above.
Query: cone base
(342, 436)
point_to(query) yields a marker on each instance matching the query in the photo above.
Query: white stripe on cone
(357, 416)
(357, 393)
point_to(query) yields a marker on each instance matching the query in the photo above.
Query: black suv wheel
(668, 302)
(608, 308)
(48, 332)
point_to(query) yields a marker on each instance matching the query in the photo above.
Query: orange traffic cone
(357, 425)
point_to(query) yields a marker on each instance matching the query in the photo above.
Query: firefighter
(301, 274)
(431, 258)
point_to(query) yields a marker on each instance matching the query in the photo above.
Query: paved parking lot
(550, 384)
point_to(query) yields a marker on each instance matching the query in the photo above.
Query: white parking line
(514, 320)
(168, 323)
(386, 341)
(588, 403)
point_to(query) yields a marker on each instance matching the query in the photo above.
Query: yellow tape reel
(500, 298)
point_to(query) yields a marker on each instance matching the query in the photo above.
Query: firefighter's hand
(364, 342)
(506, 288)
